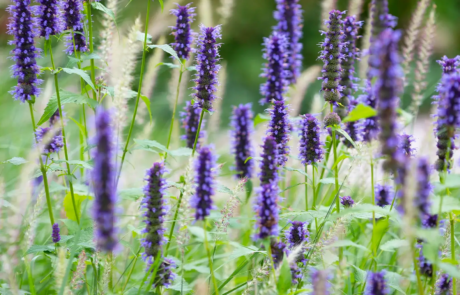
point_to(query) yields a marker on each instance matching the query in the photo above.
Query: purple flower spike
(56, 143)
(50, 18)
(73, 20)
(376, 284)
(24, 54)
(380, 18)
(103, 181)
(320, 282)
(275, 53)
(406, 144)
(205, 173)
(387, 89)
(311, 147)
(426, 268)
(155, 210)
(444, 285)
(370, 125)
(347, 201)
(430, 221)
(241, 133)
(56, 233)
(207, 68)
(268, 165)
(289, 16)
(190, 119)
(423, 186)
(354, 129)
(267, 211)
(332, 56)
(278, 250)
(448, 118)
(384, 195)
(279, 128)
(332, 119)
(183, 34)
(297, 234)
(449, 65)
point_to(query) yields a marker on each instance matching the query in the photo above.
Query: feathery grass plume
(73, 15)
(350, 55)
(333, 234)
(32, 223)
(49, 18)
(60, 270)
(326, 7)
(354, 128)
(347, 201)
(311, 146)
(320, 282)
(448, 118)
(182, 32)
(126, 78)
(259, 275)
(332, 56)
(155, 210)
(444, 285)
(268, 165)
(230, 207)
(103, 182)
(205, 174)
(275, 52)
(190, 118)
(106, 41)
(298, 92)
(279, 128)
(225, 10)
(376, 284)
(413, 34)
(406, 144)
(365, 45)
(267, 211)
(78, 277)
(104, 278)
(288, 13)
(383, 195)
(22, 26)
(387, 89)
(355, 7)
(185, 210)
(241, 133)
(207, 56)
(55, 234)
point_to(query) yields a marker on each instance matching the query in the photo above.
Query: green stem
(198, 132)
(141, 77)
(42, 169)
(373, 203)
(313, 206)
(452, 249)
(211, 270)
(417, 271)
(306, 189)
(69, 174)
(131, 270)
(174, 222)
(30, 278)
(175, 107)
(91, 46)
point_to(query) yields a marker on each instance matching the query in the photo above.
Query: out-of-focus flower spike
(190, 119)
(444, 285)
(347, 201)
(376, 284)
(384, 195)
(241, 133)
(320, 282)
(406, 144)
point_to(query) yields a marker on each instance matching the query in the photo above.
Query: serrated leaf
(360, 275)
(149, 144)
(80, 73)
(260, 118)
(361, 111)
(16, 161)
(381, 227)
(39, 248)
(69, 208)
(181, 152)
(146, 100)
(394, 244)
(166, 48)
(170, 65)
(101, 7)
(285, 278)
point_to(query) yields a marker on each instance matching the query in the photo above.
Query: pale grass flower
(298, 92)
(60, 270)
(214, 121)
(326, 7)
(355, 7)
(225, 10)
(107, 35)
(79, 274)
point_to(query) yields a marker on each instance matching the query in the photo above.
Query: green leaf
(361, 111)
(91, 55)
(40, 248)
(392, 245)
(161, 4)
(346, 243)
(360, 275)
(450, 269)
(301, 172)
(149, 144)
(260, 118)
(328, 180)
(68, 205)
(166, 48)
(249, 188)
(16, 161)
(80, 126)
(191, 68)
(101, 7)
(80, 73)
(285, 278)
(381, 228)
(340, 159)
(223, 189)
(131, 193)
(66, 98)
(83, 164)
(344, 133)
(146, 100)
(181, 152)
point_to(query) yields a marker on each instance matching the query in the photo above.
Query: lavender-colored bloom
(183, 34)
(297, 234)
(289, 16)
(296, 273)
(311, 147)
(444, 285)
(332, 119)
(332, 57)
(383, 195)
(190, 119)
(387, 89)
(424, 188)
(354, 129)
(54, 145)
(268, 165)
(406, 144)
(380, 19)
(448, 118)
(103, 181)
(430, 221)
(55, 234)
(347, 201)
(50, 18)
(275, 53)
(207, 69)
(205, 173)
(241, 133)
(155, 210)
(267, 211)
(73, 20)
(376, 284)
(426, 268)
(320, 282)
(24, 54)
(278, 249)
(279, 128)
(449, 65)
(370, 125)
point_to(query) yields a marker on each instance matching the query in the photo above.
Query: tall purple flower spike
(279, 128)
(74, 21)
(448, 118)
(155, 207)
(241, 134)
(22, 26)
(384, 195)
(387, 89)
(205, 173)
(288, 13)
(426, 268)
(406, 144)
(424, 187)
(267, 211)
(207, 68)
(449, 65)
(332, 56)
(297, 234)
(268, 165)
(444, 285)
(54, 145)
(376, 284)
(190, 118)
(103, 181)
(311, 147)
(56, 233)
(50, 18)
(183, 34)
(275, 52)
